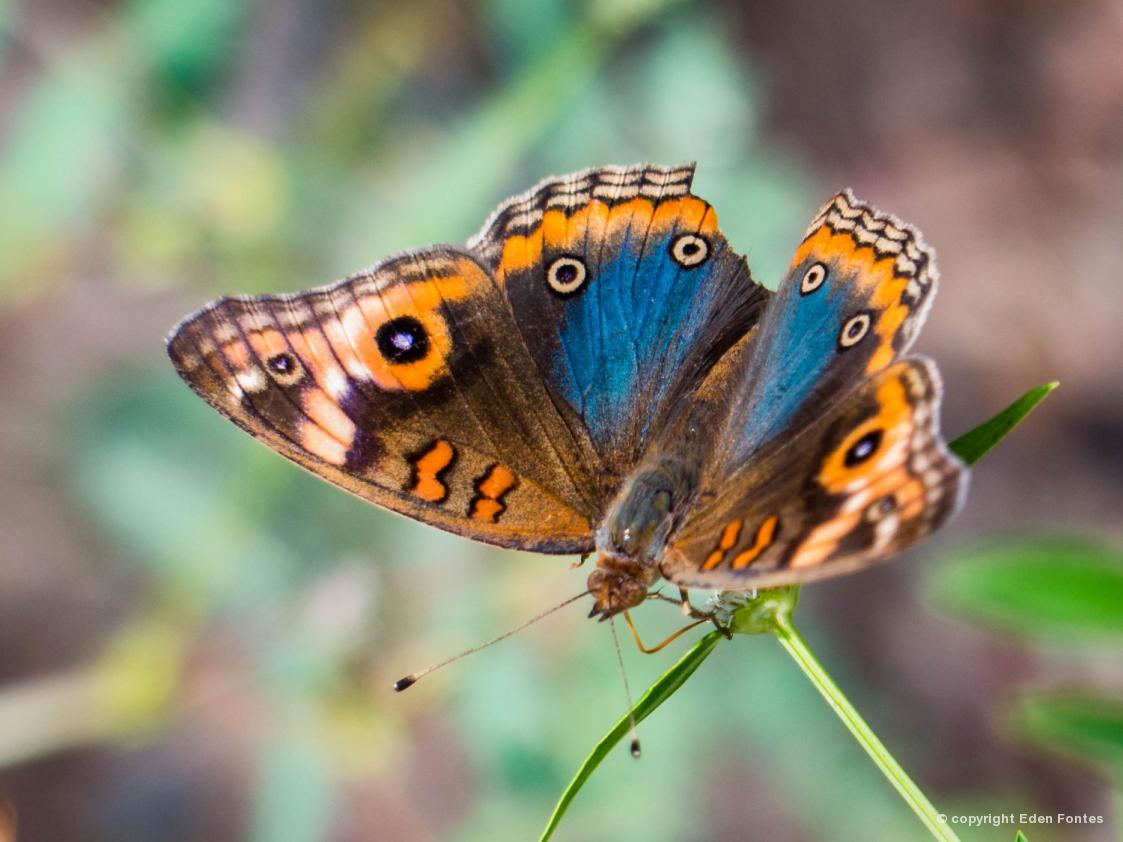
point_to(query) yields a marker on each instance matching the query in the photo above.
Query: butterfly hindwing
(867, 479)
(626, 292)
(408, 385)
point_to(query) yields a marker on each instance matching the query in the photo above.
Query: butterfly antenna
(627, 690)
(411, 679)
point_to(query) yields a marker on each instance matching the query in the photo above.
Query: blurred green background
(197, 640)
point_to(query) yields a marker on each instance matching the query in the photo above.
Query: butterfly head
(617, 586)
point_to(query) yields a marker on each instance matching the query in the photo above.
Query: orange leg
(671, 639)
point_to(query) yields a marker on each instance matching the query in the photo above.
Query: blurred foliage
(146, 152)
(190, 191)
(1050, 588)
(1052, 591)
(1091, 728)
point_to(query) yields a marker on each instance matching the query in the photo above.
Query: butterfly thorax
(632, 537)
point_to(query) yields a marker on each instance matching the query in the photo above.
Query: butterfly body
(633, 538)
(597, 371)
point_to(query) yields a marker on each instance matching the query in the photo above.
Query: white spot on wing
(336, 383)
(252, 380)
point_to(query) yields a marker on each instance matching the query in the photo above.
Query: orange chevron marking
(763, 539)
(428, 469)
(729, 536)
(491, 488)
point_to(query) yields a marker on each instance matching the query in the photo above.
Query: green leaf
(1088, 726)
(973, 445)
(1020, 837)
(658, 693)
(1051, 587)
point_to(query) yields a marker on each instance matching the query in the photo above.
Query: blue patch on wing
(799, 341)
(626, 335)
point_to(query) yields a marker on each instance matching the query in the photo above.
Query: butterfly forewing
(409, 386)
(626, 292)
(857, 291)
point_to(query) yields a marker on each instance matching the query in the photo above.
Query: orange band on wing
(761, 542)
(823, 539)
(598, 220)
(893, 420)
(872, 271)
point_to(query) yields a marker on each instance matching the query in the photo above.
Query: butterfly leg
(574, 565)
(684, 604)
(660, 646)
(688, 610)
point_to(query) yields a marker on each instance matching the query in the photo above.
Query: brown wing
(868, 479)
(411, 387)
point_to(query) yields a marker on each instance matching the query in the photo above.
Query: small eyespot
(881, 508)
(854, 329)
(284, 368)
(281, 364)
(566, 275)
(402, 340)
(689, 250)
(862, 449)
(813, 279)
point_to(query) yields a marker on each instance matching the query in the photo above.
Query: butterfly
(596, 371)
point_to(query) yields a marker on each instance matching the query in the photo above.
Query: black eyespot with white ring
(813, 278)
(566, 276)
(856, 327)
(689, 250)
(402, 340)
(284, 368)
(862, 449)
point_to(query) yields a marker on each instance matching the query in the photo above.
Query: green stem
(797, 647)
